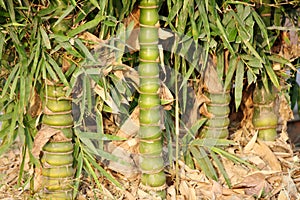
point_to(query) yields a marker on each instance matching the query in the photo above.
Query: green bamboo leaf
(262, 26)
(208, 168)
(85, 51)
(14, 73)
(220, 64)
(241, 27)
(2, 40)
(58, 70)
(209, 142)
(11, 10)
(95, 3)
(51, 72)
(255, 63)
(272, 74)
(220, 166)
(98, 152)
(2, 4)
(199, 159)
(22, 97)
(239, 78)
(90, 24)
(231, 69)
(174, 11)
(13, 86)
(5, 117)
(45, 37)
(231, 157)
(253, 51)
(79, 166)
(224, 36)
(281, 60)
(92, 172)
(197, 125)
(104, 172)
(66, 12)
(102, 137)
(204, 18)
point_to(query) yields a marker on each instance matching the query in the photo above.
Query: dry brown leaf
(267, 155)
(283, 195)
(166, 96)
(217, 189)
(251, 143)
(129, 169)
(254, 184)
(42, 137)
(35, 107)
(171, 191)
(235, 172)
(290, 187)
(211, 79)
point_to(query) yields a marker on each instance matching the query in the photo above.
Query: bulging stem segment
(218, 107)
(57, 158)
(151, 161)
(264, 118)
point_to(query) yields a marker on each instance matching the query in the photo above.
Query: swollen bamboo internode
(218, 107)
(150, 148)
(264, 118)
(57, 158)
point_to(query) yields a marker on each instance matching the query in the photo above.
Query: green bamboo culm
(57, 158)
(151, 162)
(264, 118)
(217, 124)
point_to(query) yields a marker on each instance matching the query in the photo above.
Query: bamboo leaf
(2, 40)
(69, 9)
(2, 4)
(252, 50)
(104, 173)
(231, 156)
(98, 152)
(272, 75)
(11, 10)
(231, 69)
(46, 40)
(224, 36)
(14, 73)
(86, 52)
(92, 172)
(95, 3)
(197, 125)
(102, 137)
(91, 24)
(238, 90)
(204, 163)
(79, 166)
(220, 167)
(262, 26)
(210, 142)
(204, 18)
(58, 70)
(50, 71)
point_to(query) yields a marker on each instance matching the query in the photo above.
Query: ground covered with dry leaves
(276, 174)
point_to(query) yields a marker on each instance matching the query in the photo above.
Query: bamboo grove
(68, 72)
